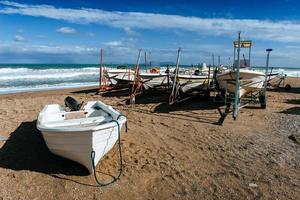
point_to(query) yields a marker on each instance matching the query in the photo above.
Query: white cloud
(15, 4)
(91, 34)
(292, 47)
(284, 31)
(19, 38)
(130, 32)
(113, 43)
(24, 48)
(66, 30)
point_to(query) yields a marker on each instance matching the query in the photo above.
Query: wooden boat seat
(79, 122)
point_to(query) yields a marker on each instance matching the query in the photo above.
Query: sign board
(243, 44)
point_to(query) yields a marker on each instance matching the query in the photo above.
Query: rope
(100, 183)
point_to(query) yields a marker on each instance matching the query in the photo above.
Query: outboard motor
(71, 103)
(197, 72)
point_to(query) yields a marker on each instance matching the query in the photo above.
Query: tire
(287, 87)
(262, 101)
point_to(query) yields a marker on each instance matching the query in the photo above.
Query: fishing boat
(250, 81)
(155, 78)
(192, 82)
(121, 76)
(84, 136)
(150, 79)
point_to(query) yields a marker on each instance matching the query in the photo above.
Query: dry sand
(169, 152)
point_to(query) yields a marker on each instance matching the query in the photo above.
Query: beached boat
(155, 78)
(120, 76)
(250, 81)
(150, 79)
(191, 82)
(77, 135)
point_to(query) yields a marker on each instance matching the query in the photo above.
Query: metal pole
(150, 63)
(233, 56)
(172, 96)
(146, 61)
(136, 71)
(213, 60)
(250, 56)
(138, 63)
(177, 65)
(100, 78)
(267, 69)
(138, 59)
(237, 81)
(208, 76)
(219, 61)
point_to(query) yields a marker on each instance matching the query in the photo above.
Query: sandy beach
(169, 152)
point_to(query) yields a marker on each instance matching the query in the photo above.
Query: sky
(53, 31)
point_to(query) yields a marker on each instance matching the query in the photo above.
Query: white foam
(12, 74)
(45, 87)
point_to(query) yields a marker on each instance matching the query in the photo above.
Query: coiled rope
(93, 154)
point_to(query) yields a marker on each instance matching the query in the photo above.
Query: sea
(16, 78)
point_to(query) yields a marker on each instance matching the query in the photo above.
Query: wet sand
(169, 152)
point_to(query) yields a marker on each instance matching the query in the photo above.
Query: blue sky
(73, 31)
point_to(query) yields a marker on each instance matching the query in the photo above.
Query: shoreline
(46, 89)
(56, 90)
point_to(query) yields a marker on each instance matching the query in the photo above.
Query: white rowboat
(75, 135)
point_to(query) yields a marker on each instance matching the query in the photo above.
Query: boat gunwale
(102, 126)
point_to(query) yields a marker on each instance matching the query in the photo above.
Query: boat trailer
(233, 99)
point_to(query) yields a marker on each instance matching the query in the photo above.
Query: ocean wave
(12, 74)
(12, 78)
(12, 70)
(46, 75)
(42, 87)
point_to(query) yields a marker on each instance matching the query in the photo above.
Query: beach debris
(295, 138)
(253, 185)
(3, 138)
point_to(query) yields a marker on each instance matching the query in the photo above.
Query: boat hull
(76, 139)
(120, 76)
(152, 80)
(191, 83)
(250, 81)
